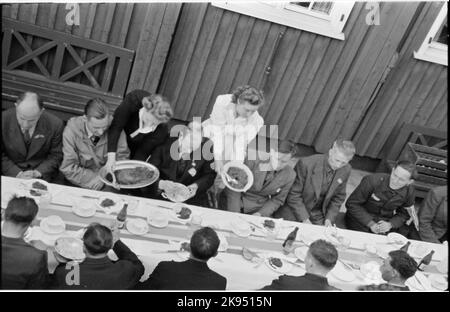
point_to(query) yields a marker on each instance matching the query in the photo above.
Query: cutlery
(230, 179)
(346, 264)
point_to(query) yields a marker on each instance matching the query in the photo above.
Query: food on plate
(270, 224)
(40, 186)
(239, 175)
(177, 192)
(70, 248)
(107, 203)
(184, 213)
(35, 193)
(276, 262)
(130, 176)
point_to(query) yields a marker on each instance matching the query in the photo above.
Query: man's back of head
(204, 244)
(98, 240)
(321, 258)
(21, 211)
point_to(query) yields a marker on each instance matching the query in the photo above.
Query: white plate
(125, 164)
(30, 183)
(174, 190)
(300, 252)
(160, 223)
(343, 273)
(418, 250)
(414, 284)
(46, 229)
(438, 281)
(242, 232)
(85, 213)
(285, 268)
(176, 216)
(397, 239)
(131, 226)
(242, 166)
(70, 248)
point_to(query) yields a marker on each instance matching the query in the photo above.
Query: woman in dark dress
(143, 117)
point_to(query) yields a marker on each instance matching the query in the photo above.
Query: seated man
(182, 160)
(320, 259)
(97, 271)
(433, 216)
(396, 269)
(379, 202)
(85, 145)
(319, 188)
(192, 274)
(31, 140)
(23, 266)
(271, 183)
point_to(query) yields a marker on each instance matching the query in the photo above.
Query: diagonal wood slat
(35, 53)
(80, 63)
(38, 63)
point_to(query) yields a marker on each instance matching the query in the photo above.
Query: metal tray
(127, 164)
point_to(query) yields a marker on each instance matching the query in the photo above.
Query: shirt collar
(326, 165)
(89, 133)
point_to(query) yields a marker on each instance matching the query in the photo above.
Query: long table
(241, 274)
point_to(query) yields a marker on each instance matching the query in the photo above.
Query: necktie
(95, 139)
(26, 136)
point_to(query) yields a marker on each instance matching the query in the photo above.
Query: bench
(65, 70)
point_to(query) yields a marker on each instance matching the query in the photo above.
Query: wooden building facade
(317, 88)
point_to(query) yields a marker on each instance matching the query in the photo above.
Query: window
(434, 47)
(324, 18)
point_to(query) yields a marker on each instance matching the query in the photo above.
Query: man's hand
(384, 226)
(375, 228)
(192, 189)
(218, 166)
(37, 174)
(25, 174)
(328, 223)
(38, 244)
(307, 221)
(98, 185)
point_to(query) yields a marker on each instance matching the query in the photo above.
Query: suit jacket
(44, 153)
(305, 191)
(187, 275)
(198, 171)
(433, 215)
(103, 274)
(306, 282)
(264, 198)
(23, 266)
(82, 159)
(367, 204)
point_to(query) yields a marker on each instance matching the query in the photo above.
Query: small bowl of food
(237, 176)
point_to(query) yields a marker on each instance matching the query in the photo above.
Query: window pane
(442, 34)
(322, 7)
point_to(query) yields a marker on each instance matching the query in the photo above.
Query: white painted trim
(331, 26)
(434, 52)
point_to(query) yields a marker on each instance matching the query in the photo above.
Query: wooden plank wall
(319, 89)
(146, 28)
(415, 92)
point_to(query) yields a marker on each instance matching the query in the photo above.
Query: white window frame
(432, 51)
(281, 12)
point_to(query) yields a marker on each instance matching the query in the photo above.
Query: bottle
(122, 216)
(287, 244)
(425, 261)
(405, 247)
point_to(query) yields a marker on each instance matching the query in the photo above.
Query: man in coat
(271, 183)
(23, 265)
(192, 274)
(379, 203)
(319, 189)
(85, 146)
(184, 159)
(97, 271)
(31, 140)
(433, 216)
(319, 261)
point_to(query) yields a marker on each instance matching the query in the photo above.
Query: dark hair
(21, 210)
(160, 107)
(204, 243)
(408, 166)
(248, 94)
(403, 263)
(97, 239)
(96, 108)
(30, 93)
(324, 252)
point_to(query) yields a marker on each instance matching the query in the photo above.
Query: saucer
(438, 281)
(240, 231)
(397, 239)
(45, 226)
(162, 223)
(70, 248)
(85, 213)
(131, 226)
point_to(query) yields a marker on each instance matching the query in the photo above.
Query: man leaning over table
(85, 145)
(433, 216)
(272, 180)
(192, 274)
(395, 270)
(379, 203)
(319, 261)
(31, 140)
(98, 271)
(319, 189)
(23, 266)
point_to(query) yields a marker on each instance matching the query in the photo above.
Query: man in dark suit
(192, 274)
(320, 259)
(379, 203)
(319, 188)
(433, 216)
(31, 140)
(272, 180)
(23, 266)
(183, 160)
(97, 271)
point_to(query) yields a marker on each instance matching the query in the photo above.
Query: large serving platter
(131, 164)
